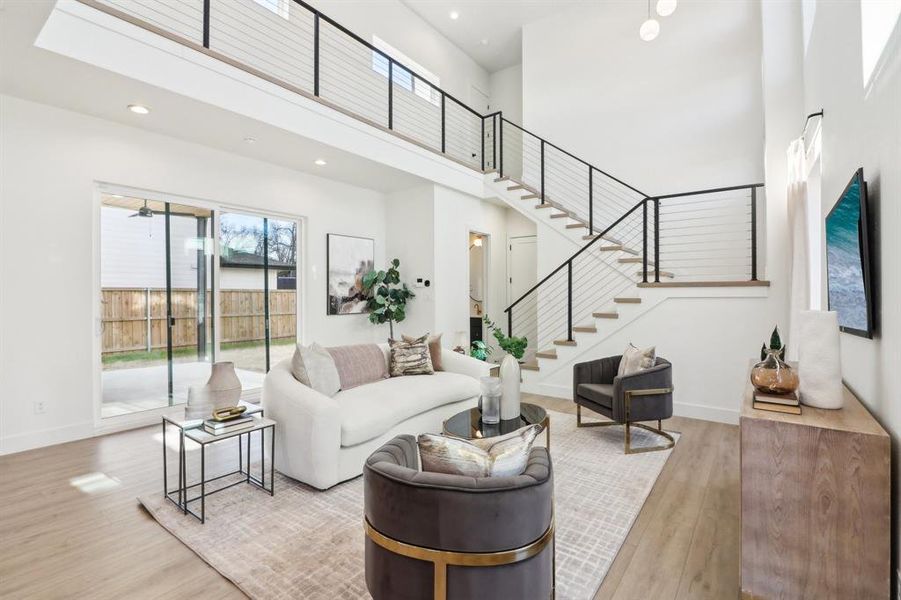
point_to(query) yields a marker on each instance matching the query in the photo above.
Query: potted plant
(514, 348)
(386, 296)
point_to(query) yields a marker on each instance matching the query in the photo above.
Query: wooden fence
(135, 319)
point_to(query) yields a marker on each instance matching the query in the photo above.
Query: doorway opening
(478, 272)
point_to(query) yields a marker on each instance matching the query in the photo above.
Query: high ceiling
(497, 22)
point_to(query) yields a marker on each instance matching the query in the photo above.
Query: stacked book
(783, 403)
(214, 427)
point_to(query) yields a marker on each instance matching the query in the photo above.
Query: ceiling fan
(144, 211)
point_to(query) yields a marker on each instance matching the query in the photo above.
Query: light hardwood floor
(61, 542)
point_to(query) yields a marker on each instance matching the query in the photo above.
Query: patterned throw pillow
(314, 367)
(434, 343)
(359, 364)
(502, 456)
(410, 358)
(635, 360)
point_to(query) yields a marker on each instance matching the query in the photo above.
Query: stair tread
(565, 342)
(545, 205)
(662, 273)
(530, 197)
(513, 188)
(547, 354)
(627, 300)
(575, 225)
(499, 179)
(605, 315)
(559, 215)
(530, 366)
(635, 259)
(585, 329)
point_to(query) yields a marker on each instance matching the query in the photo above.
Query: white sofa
(323, 441)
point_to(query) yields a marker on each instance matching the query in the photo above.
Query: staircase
(623, 240)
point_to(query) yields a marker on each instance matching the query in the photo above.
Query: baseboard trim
(46, 437)
(680, 409)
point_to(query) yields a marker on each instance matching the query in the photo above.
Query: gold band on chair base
(442, 558)
(629, 424)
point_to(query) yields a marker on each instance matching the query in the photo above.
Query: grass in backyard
(160, 354)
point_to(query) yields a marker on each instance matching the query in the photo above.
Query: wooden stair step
(530, 197)
(614, 248)
(499, 179)
(575, 225)
(516, 187)
(564, 342)
(559, 215)
(547, 354)
(605, 315)
(585, 329)
(635, 259)
(651, 273)
(612, 240)
(629, 300)
(545, 205)
(530, 366)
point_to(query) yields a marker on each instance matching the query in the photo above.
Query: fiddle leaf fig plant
(386, 296)
(515, 346)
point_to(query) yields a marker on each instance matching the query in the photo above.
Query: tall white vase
(510, 379)
(223, 386)
(819, 359)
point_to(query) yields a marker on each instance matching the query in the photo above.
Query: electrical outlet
(39, 407)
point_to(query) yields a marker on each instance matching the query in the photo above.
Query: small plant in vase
(511, 376)
(386, 296)
(772, 375)
(480, 350)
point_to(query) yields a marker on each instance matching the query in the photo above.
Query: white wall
(680, 113)
(395, 23)
(505, 92)
(51, 160)
(862, 128)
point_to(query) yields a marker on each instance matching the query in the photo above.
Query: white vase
(223, 386)
(819, 359)
(510, 379)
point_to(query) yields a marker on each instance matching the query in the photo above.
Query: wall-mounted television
(848, 259)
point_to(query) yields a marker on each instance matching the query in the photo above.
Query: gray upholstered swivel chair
(627, 399)
(432, 535)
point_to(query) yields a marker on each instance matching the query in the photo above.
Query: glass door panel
(134, 339)
(282, 242)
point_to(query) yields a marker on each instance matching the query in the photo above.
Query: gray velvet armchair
(627, 399)
(432, 535)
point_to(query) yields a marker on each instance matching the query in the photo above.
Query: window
(877, 21)
(279, 7)
(403, 77)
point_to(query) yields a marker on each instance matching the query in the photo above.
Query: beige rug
(303, 543)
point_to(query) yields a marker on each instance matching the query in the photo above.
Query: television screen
(847, 259)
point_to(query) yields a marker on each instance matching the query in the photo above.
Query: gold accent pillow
(434, 343)
(410, 358)
(501, 456)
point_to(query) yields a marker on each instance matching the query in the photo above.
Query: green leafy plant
(515, 346)
(479, 350)
(386, 296)
(775, 344)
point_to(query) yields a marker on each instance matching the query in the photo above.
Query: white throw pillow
(502, 456)
(635, 360)
(314, 367)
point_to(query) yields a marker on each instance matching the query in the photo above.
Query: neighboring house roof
(248, 260)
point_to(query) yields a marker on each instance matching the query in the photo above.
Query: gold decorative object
(773, 376)
(228, 413)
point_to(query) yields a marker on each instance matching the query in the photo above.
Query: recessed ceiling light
(250, 140)
(454, 15)
(139, 109)
(485, 42)
(320, 162)
(666, 7)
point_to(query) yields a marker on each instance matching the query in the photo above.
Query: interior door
(522, 275)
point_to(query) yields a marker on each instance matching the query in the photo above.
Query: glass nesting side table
(183, 495)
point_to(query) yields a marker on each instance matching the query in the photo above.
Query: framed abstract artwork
(348, 258)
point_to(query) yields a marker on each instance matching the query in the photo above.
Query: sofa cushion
(434, 343)
(314, 367)
(597, 392)
(370, 410)
(359, 364)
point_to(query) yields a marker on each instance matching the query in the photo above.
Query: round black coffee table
(468, 424)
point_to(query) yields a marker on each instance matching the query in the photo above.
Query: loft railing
(700, 236)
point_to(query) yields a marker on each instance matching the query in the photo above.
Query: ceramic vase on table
(222, 390)
(510, 379)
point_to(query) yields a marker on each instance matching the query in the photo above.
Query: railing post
(206, 23)
(443, 131)
(509, 323)
(501, 144)
(753, 234)
(591, 200)
(644, 242)
(316, 54)
(483, 140)
(569, 301)
(657, 240)
(390, 93)
(494, 141)
(542, 171)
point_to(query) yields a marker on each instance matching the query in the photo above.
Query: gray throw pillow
(635, 360)
(502, 456)
(410, 358)
(314, 367)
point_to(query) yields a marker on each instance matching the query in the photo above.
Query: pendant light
(666, 7)
(650, 29)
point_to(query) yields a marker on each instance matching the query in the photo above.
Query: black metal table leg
(272, 462)
(165, 472)
(202, 483)
(263, 457)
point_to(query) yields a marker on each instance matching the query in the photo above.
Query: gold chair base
(627, 444)
(442, 558)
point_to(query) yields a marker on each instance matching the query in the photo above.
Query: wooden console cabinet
(815, 516)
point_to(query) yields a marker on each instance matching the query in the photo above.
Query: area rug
(303, 543)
